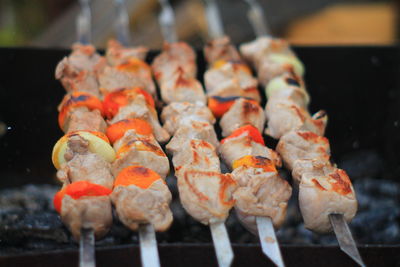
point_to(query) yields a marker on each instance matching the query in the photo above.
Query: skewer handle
(345, 238)
(148, 246)
(222, 245)
(86, 248)
(122, 23)
(167, 22)
(215, 28)
(257, 19)
(83, 23)
(269, 242)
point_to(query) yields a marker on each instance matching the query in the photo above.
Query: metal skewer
(340, 227)
(86, 248)
(147, 236)
(87, 240)
(269, 242)
(167, 22)
(214, 22)
(222, 244)
(345, 238)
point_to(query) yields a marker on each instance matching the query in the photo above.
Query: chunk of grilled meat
(84, 165)
(175, 56)
(135, 205)
(88, 212)
(241, 113)
(80, 69)
(205, 195)
(189, 131)
(298, 145)
(180, 87)
(176, 114)
(81, 118)
(136, 149)
(260, 193)
(139, 108)
(254, 51)
(323, 190)
(284, 116)
(229, 80)
(243, 145)
(117, 54)
(220, 49)
(112, 79)
(199, 153)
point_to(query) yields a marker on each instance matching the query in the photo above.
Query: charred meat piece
(176, 114)
(182, 88)
(220, 49)
(284, 116)
(205, 195)
(189, 131)
(302, 145)
(139, 109)
(260, 192)
(89, 212)
(136, 205)
(242, 112)
(197, 153)
(231, 79)
(83, 119)
(117, 54)
(324, 190)
(174, 57)
(135, 149)
(244, 145)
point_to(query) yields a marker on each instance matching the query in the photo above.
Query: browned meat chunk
(136, 205)
(135, 149)
(87, 167)
(324, 190)
(118, 54)
(205, 195)
(192, 130)
(175, 56)
(260, 193)
(197, 153)
(230, 80)
(88, 212)
(241, 113)
(285, 116)
(220, 49)
(83, 119)
(112, 79)
(302, 145)
(180, 88)
(139, 108)
(176, 114)
(255, 50)
(243, 145)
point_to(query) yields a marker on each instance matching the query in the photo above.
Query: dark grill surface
(357, 86)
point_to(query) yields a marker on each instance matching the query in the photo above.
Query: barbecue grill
(359, 87)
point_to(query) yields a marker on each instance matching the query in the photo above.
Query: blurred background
(51, 23)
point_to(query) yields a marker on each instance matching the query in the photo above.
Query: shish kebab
(205, 193)
(262, 196)
(326, 196)
(139, 194)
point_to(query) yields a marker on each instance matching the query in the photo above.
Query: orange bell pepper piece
(220, 105)
(256, 162)
(252, 132)
(78, 99)
(117, 130)
(79, 189)
(136, 175)
(113, 101)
